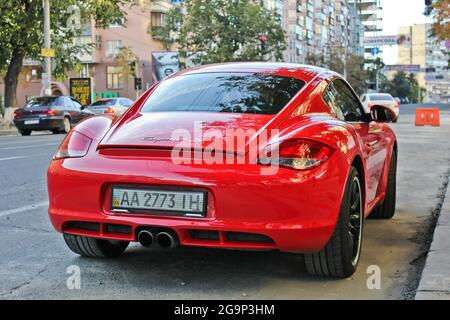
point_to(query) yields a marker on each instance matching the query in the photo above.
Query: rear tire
(386, 209)
(25, 132)
(55, 131)
(341, 255)
(95, 248)
(67, 125)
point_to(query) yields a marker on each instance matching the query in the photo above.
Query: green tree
(221, 31)
(126, 59)
(406, 86)
(357, 75)
(21, 32)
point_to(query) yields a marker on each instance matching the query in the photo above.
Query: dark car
(57, 114)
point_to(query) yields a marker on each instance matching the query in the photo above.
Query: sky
(398, 13)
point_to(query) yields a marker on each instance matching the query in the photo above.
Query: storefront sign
(81, 89)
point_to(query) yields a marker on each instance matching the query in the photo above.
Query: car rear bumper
(293, 211)
(48, 123)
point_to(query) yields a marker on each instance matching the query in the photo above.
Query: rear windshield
(224, 92)
(381, 97)
(42, 102)
(108, 102)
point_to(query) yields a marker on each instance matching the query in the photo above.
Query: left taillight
(75, 145)
(298, 154)
(17, 114)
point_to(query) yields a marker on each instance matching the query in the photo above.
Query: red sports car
(238, 156)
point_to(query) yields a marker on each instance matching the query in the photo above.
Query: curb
(9, 132)
(435, 280)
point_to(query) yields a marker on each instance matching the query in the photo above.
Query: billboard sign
(81, 89)
(379, 41)
(164, 64)
(403, 67)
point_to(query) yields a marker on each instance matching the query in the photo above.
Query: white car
(384, 99)
(111, 105)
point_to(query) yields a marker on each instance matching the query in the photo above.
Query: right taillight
(298, 154)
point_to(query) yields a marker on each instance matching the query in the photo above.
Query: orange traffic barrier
(428, 117)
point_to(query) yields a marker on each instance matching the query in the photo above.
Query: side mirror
(382, 114)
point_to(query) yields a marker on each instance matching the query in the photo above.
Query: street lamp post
(47, 45)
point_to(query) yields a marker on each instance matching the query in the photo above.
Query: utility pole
(47, 79)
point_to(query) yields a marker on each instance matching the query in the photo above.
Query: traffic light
(137, 83)
(132, 66)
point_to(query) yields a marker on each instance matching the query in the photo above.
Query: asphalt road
(34, 259)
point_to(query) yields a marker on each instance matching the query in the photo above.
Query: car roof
(379, 94)
(303, 72)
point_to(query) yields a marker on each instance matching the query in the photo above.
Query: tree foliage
(441, 26)
(338, 61)
(21, 32)
(405, 85)
(221, 31)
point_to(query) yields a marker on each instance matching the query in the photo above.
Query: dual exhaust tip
(164, 239)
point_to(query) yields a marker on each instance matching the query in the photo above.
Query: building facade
(109, 78)
(316, 27)
(428, 53)
(371, 19)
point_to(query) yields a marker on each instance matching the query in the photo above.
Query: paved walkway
(435, 281)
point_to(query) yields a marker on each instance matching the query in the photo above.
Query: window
(104, 102)
(343, 102)
(113, 47)
(381, 97)
(114, 77)
(126, 102)
(158, 19)
(224, 92)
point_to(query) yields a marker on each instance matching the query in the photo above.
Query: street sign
(81, 89)
(403, 67)
(379, 41)
(48, 52)
(375, 51)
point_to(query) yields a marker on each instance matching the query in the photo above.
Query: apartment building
(429, 53)
(316, 27)
(370, 15)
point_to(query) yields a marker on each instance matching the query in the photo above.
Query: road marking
(31, 146)
(23, 142)
(23, 209)
(12, 158)
(25, 157)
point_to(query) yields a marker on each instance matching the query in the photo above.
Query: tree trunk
(12, 78)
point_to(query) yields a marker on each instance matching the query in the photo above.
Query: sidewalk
(435, 281)
(8, 132)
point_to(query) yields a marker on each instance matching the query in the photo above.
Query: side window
(330, 97)
(127, 102)
(347, 101)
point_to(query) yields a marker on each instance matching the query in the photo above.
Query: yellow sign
(48, 52)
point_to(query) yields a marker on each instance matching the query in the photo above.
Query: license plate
(26, 122)
(186, 203)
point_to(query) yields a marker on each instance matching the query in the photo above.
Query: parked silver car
(111, 105)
